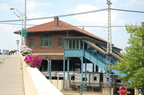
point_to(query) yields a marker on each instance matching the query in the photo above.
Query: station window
(107, 79)
(54, 78)
(95, 78)
(31, 42)
(46, 40)
(73, 44)
(84, 79)
(72, 77)
(60, 78)
(60, 42)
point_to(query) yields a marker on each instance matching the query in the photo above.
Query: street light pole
(23, 31)
(21, 18)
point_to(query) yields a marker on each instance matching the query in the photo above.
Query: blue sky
(48, 8)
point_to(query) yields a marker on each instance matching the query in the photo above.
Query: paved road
(2, 58)
(11, 76)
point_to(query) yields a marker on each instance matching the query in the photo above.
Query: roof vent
(56, 21)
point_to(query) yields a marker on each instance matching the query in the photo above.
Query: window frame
(31, 42)
(46, 40)
(60, 42)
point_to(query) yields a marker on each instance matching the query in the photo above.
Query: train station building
(67, 51)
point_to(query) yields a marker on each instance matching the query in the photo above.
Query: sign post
(24, 33)
(122, 91)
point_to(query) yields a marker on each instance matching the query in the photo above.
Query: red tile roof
(52, 26)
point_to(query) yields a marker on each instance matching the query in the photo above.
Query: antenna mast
(109, 43)
(109, 48)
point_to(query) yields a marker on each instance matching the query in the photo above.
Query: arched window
(46, 40)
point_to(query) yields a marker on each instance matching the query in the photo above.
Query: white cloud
(116, 19)
(135, 2)
(3, 6)
(33, 5)
(7, 28)
(36, 10)
(8, 40)
(37, 22)
(100, 19)
(96, 18)
(127, 4)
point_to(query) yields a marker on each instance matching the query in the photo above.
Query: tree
(133, 58)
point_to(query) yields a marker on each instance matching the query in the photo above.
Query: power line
(68, 26)
(134, 11)
(127, 10)
(58, 15)
(76, 14)
(53, 25)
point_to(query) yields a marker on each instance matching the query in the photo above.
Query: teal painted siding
(73, 53)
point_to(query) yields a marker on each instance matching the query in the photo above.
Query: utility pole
(109, 48)
(109, 43)
(24, 30)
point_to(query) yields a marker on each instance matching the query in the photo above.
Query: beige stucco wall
(35, 83)
(29, 87)
(58, 84)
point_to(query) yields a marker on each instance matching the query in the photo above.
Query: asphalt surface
(2, 58)
(11, 76)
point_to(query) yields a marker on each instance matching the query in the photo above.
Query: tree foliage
(133, 58)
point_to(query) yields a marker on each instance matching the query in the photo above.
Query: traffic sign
(24, 32)
(123, 91)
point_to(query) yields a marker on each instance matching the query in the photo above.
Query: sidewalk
(11, 76)
(2, 58)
